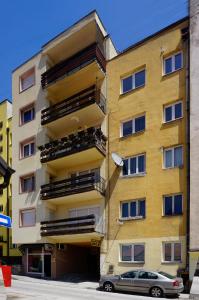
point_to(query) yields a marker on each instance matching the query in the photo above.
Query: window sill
(133, 176)
(26, 88)
(131, 262)
(171, 73)
(131, 91)
(170, 168)
(174, 215)
(22, 124)
(22, 158)
(131, 219)
(165, 123)
(132, 135)
(171, 262)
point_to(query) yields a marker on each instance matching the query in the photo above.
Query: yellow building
(147, 197)
(8, 250)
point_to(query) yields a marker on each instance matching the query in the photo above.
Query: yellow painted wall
(5, 108)
(158, 91)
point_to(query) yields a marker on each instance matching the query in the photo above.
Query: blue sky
(26, 25)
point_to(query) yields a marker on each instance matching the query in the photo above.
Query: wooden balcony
(70, 226)
(79, 143)
(74, 185)
(76, 62)
(74, 103)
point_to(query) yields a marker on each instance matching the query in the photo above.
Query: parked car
(153, 283)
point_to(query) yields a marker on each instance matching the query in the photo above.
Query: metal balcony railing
(76, 102)
(73, 185)
(77, 225)
(81, 141)
(74, 63)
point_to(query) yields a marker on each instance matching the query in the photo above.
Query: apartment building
(60, 152)
(8, 251)
(147, 196)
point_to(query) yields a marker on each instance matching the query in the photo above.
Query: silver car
(156, 284)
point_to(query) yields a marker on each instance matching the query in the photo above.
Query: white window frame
(133, 126)
(137, 173)
(21, 179)
(24, 75)
(132, 253)
(133, 81)
(172, 252)
(22, 211)
(172, 112)
(163, 209)
(27, 144)
(137, 209)
(31, 108)
(172, 63)
(164, 157)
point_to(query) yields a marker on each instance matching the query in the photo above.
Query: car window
(129, 275)
(166, 275)
(147, 275)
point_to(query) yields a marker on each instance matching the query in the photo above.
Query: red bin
(7, 275)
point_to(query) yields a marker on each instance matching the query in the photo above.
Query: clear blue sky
(25, 25)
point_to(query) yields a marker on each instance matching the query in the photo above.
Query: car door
(125, 281)
(145, 281)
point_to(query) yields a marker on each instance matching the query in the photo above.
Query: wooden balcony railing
(74, 63)
(81, 141)
(72, 104)
(73, 185)
(77, 225)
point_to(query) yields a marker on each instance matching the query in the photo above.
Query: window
(172, 205)
(133, 81)
(27, 183)
(27, 217)
(27, 148)
(173, 112)
(173, 157)
(173, 63)
(172, 252)
(27, 114)
(147, 275)
(134, 165)
(132, 253)
(132, 209)
(131, 274)
(133, 126)
(27, 80)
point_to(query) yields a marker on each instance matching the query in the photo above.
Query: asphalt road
(41, 290)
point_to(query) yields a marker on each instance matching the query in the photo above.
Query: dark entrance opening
(93, 263)
(47, 265)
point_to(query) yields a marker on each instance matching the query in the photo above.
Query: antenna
(117, 159)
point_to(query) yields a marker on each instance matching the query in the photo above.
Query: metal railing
(72, 104)
(73, 185)
(81, 141)
(74, 63)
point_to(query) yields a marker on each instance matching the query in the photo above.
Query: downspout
(7, 190)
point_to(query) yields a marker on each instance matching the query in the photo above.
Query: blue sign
(5, 221)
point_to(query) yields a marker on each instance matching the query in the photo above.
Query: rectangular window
(172, 252)
(132, 253)
(173, 63)
(132, 209)
(27, 217)
(173, 157)
(173, 112)
(27, 114)
(27, 148)
(133, 81)
(172, 205)
(132, 126)
(27, 80)
(27, 183)
(134, 165)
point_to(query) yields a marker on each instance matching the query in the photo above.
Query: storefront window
(34, 263)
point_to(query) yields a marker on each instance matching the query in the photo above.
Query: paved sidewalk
(194, 293)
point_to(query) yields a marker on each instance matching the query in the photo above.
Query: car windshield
(166, 275)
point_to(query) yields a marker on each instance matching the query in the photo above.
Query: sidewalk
(194, 293)
(81, 284)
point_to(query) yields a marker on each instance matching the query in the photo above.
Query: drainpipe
(7, 189)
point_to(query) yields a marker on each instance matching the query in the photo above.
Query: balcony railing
(73, 185)
(74, 63)
(81, 141)
(77, 225)
(72, 104)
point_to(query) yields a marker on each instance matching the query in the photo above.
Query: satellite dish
(117, 159)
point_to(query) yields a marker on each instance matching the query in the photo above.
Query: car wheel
(156, 292)
(108, 287)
